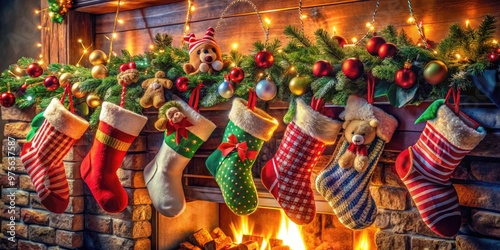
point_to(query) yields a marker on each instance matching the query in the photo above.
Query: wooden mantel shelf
(266, 200)
(109, 6)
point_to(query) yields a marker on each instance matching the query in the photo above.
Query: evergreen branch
(328, 46)
(295, 33)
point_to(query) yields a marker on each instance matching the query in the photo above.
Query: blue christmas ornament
(226, 89)
(266, 90)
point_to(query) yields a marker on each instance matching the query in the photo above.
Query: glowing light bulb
(151, 46)
(235, 46)
(292, 68)
(467, 23)
(39, 27)
(85, 51)
(334, 30)
(18, 70)
(494, 41)
(193, 8)
(261, 74)
(233, 64)
(368, 25)
(41, 56)
(39, 45)
(458, 56)
(303, 17)
(435, 52)
(114, 35)
(411, 20)
(29, 98)
(80, 40)
(187, 28)
(354, 40)
(37, 12)
(51, 14)
(120, 21)
(267, 20)
(280, 50)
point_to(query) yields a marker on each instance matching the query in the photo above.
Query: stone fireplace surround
(85, 226)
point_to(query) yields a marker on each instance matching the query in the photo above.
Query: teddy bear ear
(374, 123)
(344, 125)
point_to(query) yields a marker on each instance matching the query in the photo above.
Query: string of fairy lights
(264, 22)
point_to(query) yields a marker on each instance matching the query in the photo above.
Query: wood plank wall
(60, 41)
(241, 25)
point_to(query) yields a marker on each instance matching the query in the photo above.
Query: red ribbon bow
(180, 128)
(358, 149)
(241, 147)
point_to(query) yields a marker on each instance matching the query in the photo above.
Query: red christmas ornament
(7, 99)
(182, 84)
(264, 59)
(23, 88)
(322, 68)
(493, 57)
(124, 67)
(373, 45)
(352, 68)
(132, 65)
(34, 70)
(51, 83)
(387, 50)
(236, 75)
(342, 41)
(405, 77)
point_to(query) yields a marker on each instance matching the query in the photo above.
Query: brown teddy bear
(154, 94)
(359, 133)
(204, 54)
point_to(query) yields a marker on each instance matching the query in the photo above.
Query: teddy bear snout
(208, 59)
(358, 139)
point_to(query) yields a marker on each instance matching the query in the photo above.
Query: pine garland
(292, 59)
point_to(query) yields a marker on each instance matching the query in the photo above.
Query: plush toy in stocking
(42, 156)
(186, 130)
(231, 164)
(287, 175)
(344, 187)
(426, 167)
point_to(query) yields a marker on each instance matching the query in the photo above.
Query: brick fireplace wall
(84, 224)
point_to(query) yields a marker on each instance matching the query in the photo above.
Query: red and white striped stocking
(42, 156)
(426, 167)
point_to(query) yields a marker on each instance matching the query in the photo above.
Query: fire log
(256, 238)
(275, 242)
(200, 238)
(248, 245)
(218, 243)
(217, 233)
(188, 246)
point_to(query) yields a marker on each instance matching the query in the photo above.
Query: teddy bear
(154, 94)
(204, 54)
(359, 133)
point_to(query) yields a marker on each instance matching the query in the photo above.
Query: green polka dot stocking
(231, 164)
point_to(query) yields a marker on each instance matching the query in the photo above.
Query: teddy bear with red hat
(204, 54)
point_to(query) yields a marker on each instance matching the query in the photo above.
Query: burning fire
(364, 241)
(288, 231)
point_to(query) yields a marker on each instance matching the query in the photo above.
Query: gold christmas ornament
(76, 91)
(99, 71)
(64, 79)
(93, 101)
(435, 72)
(298, 85)
(97, 57)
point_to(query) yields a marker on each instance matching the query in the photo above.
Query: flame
(289, 232)
(365, 239)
